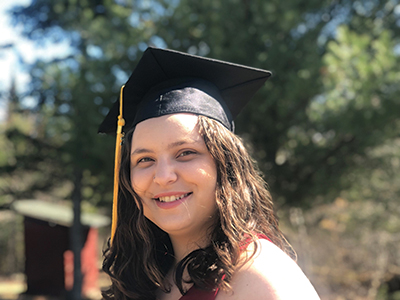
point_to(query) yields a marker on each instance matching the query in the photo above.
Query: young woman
(195, 219)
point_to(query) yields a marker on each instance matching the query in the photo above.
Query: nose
(165, 173)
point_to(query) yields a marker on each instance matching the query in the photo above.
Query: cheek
(139, 181)
(208, 177)
(212, 175)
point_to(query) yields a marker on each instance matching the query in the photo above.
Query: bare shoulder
(271, 275)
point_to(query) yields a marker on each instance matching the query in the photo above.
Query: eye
(186, 153)
(144, 160)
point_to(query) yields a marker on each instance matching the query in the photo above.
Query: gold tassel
(120, 135)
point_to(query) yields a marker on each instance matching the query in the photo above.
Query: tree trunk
(76, 236)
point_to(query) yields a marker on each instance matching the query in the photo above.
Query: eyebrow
(170, 146)
(140, 151)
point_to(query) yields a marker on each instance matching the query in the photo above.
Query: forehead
(180, 125)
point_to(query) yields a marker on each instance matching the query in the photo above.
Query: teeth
(171, 198)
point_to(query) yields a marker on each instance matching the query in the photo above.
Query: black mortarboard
(167, 82)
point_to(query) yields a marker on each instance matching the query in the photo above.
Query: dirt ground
(13, 287)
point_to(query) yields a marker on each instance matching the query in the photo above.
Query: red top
(196, 294)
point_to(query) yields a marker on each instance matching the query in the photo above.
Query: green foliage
(11, 244)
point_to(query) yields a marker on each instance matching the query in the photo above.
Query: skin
(270, 275)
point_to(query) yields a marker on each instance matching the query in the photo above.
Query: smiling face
(174, 174)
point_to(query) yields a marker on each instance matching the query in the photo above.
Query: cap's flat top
(56, 213)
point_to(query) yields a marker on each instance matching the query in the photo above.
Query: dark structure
(49, 260)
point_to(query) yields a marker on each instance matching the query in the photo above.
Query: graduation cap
(167, 82)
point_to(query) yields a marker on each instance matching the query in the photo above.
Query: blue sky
(8, 58)
(22, 48)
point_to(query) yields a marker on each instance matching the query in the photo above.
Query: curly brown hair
(141, 253)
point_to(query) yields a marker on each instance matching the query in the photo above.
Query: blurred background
(325, 128)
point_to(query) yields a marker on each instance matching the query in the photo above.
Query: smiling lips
(171, 198)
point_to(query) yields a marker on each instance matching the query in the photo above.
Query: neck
(184, 245)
